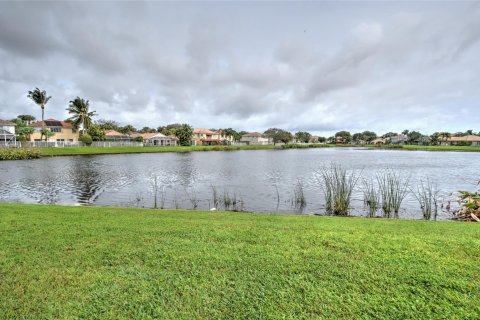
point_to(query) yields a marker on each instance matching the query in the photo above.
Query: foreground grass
(117, 150)
(108, 263)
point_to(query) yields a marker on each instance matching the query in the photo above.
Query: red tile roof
(204, 131)
(51, 123)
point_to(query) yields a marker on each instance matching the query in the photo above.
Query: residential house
(256, 138)
(399, 139)
(156, 139)
(225, 138)
(112, 135)
(379, 141)
(205, 137)
(471, 139)
(7, 132)
(63, 131)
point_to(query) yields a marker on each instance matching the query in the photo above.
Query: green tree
(27, 118)
(45, 132)
(128, 129)
(414, 137)
(96, 133)
(169, 129)
(184, 134)
(278, 135)
(231, 132)
(358, 138)
(469, 132)
(40, 98)
(148, 130)
(345, 135)
(22, 130)
(369, 136)
(108, 124)
(303, 136)
(389, 135)
(81, 114)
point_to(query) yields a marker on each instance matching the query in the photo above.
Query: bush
(19, 154)
(139, 139)
(86, 138)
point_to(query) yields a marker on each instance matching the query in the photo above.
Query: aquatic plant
(393, 189)
(337, 185)
(299, 199)
(274, 177)
(370, 197)
(216, 199)
(426, 194)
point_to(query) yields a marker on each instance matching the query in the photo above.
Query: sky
(320, 67)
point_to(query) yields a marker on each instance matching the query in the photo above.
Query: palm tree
(81, 114)
(40, 98)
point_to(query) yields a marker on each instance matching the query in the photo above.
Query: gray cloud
(304, 66)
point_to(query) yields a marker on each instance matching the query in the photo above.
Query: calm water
(252, 177)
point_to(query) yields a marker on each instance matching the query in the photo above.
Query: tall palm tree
(40, 98)
(79, 108)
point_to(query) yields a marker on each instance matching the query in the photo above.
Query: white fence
(66, 144)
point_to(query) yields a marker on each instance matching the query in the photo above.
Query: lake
(250, 178)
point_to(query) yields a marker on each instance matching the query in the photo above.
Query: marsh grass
(393, 190)
(426, 194)
(192, 197)
(370, 197)
(216, 198)
(337, 185)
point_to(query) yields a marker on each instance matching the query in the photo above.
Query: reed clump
(371, 197)
(337, 185)
(393, 189)
(19, 153)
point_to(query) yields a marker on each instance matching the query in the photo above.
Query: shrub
(19, 154)
(139, 139)
(86, 138)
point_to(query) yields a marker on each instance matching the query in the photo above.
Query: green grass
(109, 263)
(117, 150)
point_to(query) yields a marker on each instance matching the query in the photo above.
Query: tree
(405, 132)
(46, 133)
(148, 130)
(40, 98)
(278, 135)
(22, 130)
(358, 138)
(96, 133)
(414, 137)
(26, 118)
(345, 135)
(232, 133)
(128, 129)
(303, 136)
(170, 129)
(80, 109)
(469, 132)
(389, 135)
(184, 134)
(108, 124)
(369, 136)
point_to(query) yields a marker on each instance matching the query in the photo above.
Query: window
(70, 140)
(56, 129)
(60, 140)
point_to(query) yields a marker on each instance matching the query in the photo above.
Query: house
(340, 140)
(256, 138)
(379, 141)
(204, 136)
(7, 132)
(63, 131)
(156, 139)
(399, 139)
(225, 138)
(112, 135)
(471, 139)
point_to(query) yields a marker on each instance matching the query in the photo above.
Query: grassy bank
(117, 150)
(87, 262)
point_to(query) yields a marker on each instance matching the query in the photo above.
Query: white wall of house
(7, 128)
(256, 140)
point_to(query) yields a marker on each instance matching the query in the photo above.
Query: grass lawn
(108, 263)
(116, 150)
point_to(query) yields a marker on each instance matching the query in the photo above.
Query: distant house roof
(147, 136)
(113, 133)
(7, 123)
(469, 138)
(203, 131)
(51, 123)
(253, 135)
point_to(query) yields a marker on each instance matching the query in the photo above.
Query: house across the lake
(399, 139)
(63, 131)
(156, 139)
(471, 139)
(256, 138)
(7, 133)
(112, 135)
(209, 137)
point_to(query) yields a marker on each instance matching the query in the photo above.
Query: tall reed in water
(393, 189)
(338, 185)
(426, 194)
(370, 197)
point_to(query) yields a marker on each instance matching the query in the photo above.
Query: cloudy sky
(315, 66)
